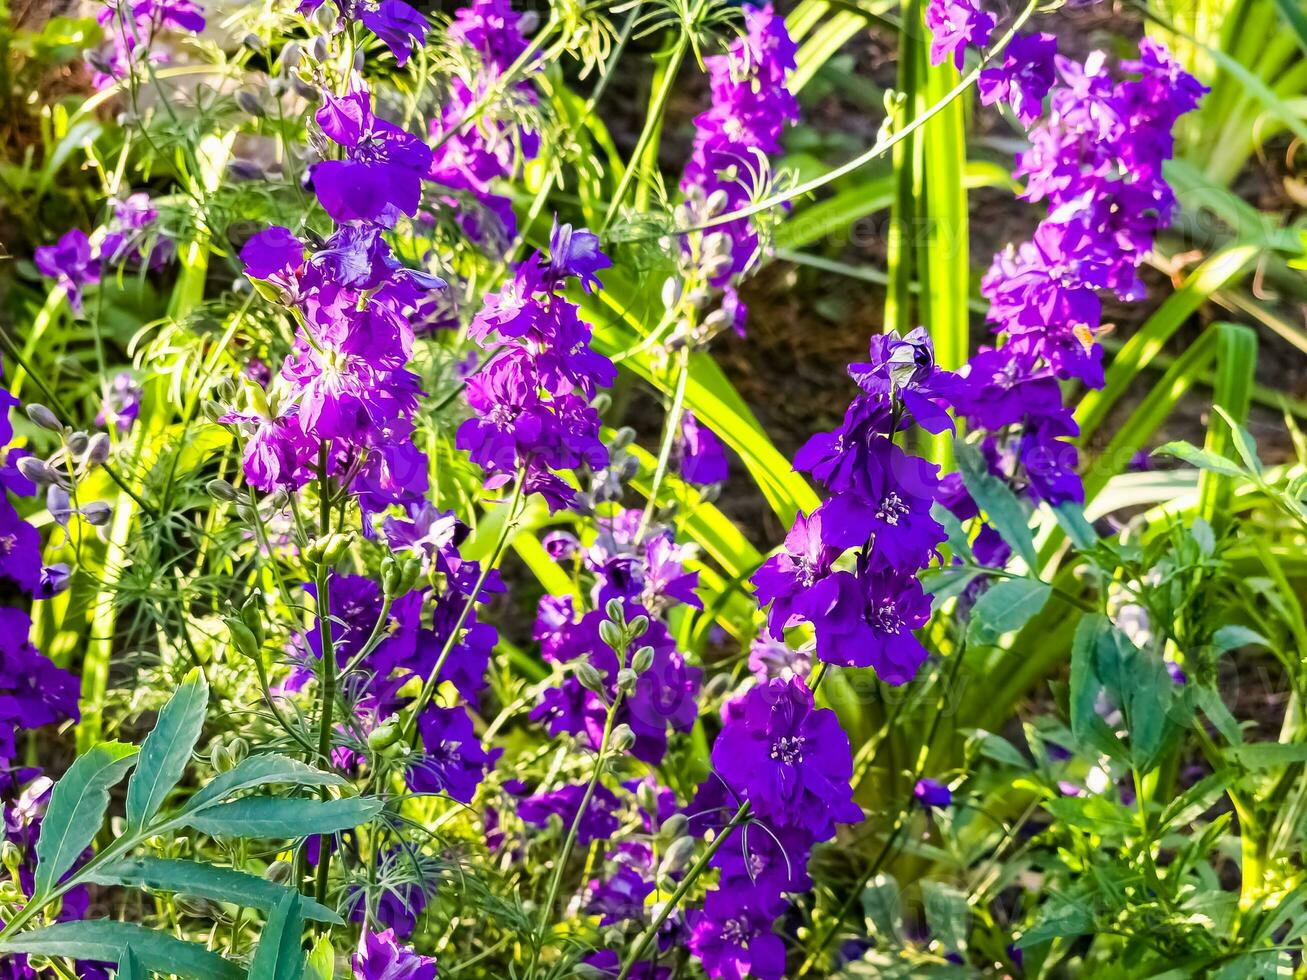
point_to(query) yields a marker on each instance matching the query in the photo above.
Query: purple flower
(122, 403)
(1025, 76)
(608, 962)
(702, 455)
(33, 691)
(770, 658)
(734, 940)
(751, 106)
(381, 176)
(790, 760)
(931, 794)
(576, 253)
(20, 549)
(599, 823)
(380, 957)
(786, 580)
(453, 761)
(71, 264)
(400, 26)
(867, 621)
(953, 25)
(761, 865)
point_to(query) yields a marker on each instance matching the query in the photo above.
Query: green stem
(672, 427)
(691, 876)
(322, 579)
(429, 686)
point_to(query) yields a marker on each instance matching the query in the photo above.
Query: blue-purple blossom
(380, 957)
(599, 822)
(453, 761)
(734, 939)
(72, 263)
(953, 25)
(930, 793)
(789, 759)
(702, 454)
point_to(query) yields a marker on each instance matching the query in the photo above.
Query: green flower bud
(615, 611)
(622, 738)
(626, 679)
(590, 677)
(678, 856)
(674, 826)
(279, 872)
(243, 640)
(611, 634)
(643, 659)
(638, 626)
(222, 490)
(384, 736)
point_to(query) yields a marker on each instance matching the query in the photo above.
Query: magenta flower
(1024, 78)
(734, 941)
(953, 25)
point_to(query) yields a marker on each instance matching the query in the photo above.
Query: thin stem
(673, 426)
(682, 889)
(429, 686)
(880, 148)
(322, 579)
(653, 119)
(570, 841)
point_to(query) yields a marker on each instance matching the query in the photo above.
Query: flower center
(892, 509)
(735, 932)
(788, 749)
(503, 415)
(7, 543)
(885, 618)
(806, 570)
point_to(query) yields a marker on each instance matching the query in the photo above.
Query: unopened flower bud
(279, 872)
(637, 626)
(97, 513)
(77, 443)
(253, 42)
(589, 677)
(252, 616)
(318, 50)
(647, 796)
(626, 679)
(674, 826)
(242, 638)
(245, 170)
(677, 856)
(250, 103)
(715, 204)
(643, 659)
(35, 470)
(238, 749)
(383, 736)
(220, 758)
(622, 738)
(611, 634)
(197, 908)
(717, 686)
(671, 292)
(42, 416)
(220, 489)
(616, 611)
(11, 855)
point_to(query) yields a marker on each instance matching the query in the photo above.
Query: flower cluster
(400, 26)
(344, 399)
(380, 957)
(790, 762)
(531, 399)
(879, 502)
(733, 142)
(471, 153)
(131, 26)
(75, 261)
(24, 796)
(33, 691)
(1096, 159)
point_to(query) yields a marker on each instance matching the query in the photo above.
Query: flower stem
(686, 884)
(669, 438)
(322, 579)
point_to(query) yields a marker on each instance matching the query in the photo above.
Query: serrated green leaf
(1000, 504)
(259, 770)
(270, 816)
(1006, 606)
(76, 811)
(280, 953)
(104, 940)
(167, 749)
(205, 881)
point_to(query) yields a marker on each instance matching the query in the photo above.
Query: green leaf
(205, 881)
(1086, 725)
(167, 749)
(947, 914)
(883, 908)
(77, 806)
(271, 816)
(1000, 504)
(1259, 756)
(130, 967)
(1006, 606)
(1233, 637)
(1060, 917)
(1200, 458)
(322, 961)
(1071, 517)
(105, 940)
(259, 770)
(998, 748)
(280, 953)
